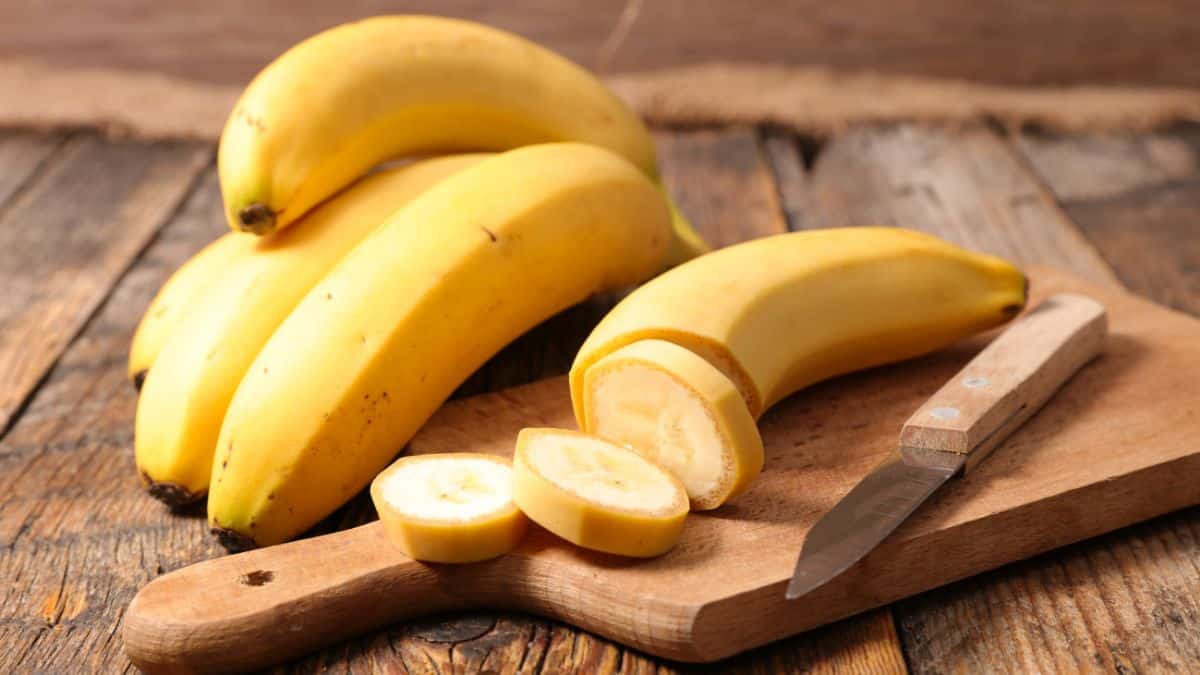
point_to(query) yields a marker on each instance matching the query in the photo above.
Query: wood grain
(78, 536)
(22, 153)
(1072, 472)
(1124, 602)
(66, 237)
(967, 186)
(722, 183)
(1066, 41)
(1109, 604)
(1138, 199)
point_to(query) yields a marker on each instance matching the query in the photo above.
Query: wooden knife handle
(1009, 380)
(254, 609)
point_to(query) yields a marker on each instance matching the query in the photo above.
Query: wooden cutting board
(1118, 444)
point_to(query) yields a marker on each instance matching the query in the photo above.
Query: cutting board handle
(245, 611)
(1009, 380)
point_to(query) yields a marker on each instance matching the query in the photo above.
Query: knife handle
(1007, 382)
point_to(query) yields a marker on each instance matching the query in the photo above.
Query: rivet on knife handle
(1009, 380)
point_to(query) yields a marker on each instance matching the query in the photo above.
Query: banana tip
(233, 541)
(138, 379)
(257, 218)
(172, 494)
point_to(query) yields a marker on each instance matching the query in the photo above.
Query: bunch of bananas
(289, 361)
(669, 386)
(283, 366)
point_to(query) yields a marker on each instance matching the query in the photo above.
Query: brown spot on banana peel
(234, 542)
(173, 495)
(257, 218)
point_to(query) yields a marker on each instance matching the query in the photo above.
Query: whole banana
(189, 388)
(373, 350)
(772, 315)
(346, 99)
(178, 295)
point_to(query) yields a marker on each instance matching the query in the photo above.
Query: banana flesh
(676, 409)
(449, 508)
(775, 315)
(597, 494)
(186, 394)
(178, 295)
(384, 339)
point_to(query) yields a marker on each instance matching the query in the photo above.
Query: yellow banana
(188, 391)
(384, 339)
(774, 315)
(346, 99)
(178, 295)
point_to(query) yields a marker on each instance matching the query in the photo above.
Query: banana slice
(597, 494)
(680, 411)
(449, 508)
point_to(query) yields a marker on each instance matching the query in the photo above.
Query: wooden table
(89, 228)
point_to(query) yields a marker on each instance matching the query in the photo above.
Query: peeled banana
(384, 339)
(449, 508)
(773, 315)
(181, 292)
(186, 394)
(597, 494)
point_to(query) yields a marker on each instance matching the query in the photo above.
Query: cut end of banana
(449, 508)
(257, 219)
(597, 494)
(678, 410)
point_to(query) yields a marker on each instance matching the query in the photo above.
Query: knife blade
(1004, 385)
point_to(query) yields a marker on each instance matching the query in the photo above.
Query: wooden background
(89, 228)
(1051, 42)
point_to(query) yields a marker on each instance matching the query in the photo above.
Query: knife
(1004, 385)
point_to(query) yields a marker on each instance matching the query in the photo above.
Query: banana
(188, 390)
(775, 315)
(679, 411)
(346, 99)
(180, 293)
(597, 494)
(449, 508)
(385, 338)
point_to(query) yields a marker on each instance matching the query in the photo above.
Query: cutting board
(1118, 444)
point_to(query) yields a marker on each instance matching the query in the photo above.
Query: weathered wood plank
(78, 535)
(722, 183)
(66, 238)
(1138, 199)
(1127, 601)
(969, 187)
(1123, 601)
(22, 153)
